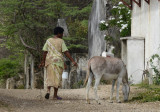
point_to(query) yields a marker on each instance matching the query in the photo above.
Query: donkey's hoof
(98, 102)
(88, 102)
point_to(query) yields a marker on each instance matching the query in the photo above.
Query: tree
(120, 20)
(28, 23)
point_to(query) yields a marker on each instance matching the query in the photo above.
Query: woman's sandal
(47, 95)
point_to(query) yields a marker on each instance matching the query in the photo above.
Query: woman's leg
(48, 92)
(55, 94)
(48, 89)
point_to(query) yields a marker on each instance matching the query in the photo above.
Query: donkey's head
(126, 90)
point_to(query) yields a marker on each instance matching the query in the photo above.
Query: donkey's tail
(125, 79)
(88, 73)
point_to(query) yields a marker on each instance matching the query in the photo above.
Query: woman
(54, 49)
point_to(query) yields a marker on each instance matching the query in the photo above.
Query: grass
(5, 106)
(21, 87)
(2, 104)
(150, 93)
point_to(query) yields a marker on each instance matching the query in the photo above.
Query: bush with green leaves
(9, 68)
(77, 41)
(121, 18)
(155, 65)
(34, 21)
(150, 93)
(119, 21)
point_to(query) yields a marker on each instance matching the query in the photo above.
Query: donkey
(109, 69)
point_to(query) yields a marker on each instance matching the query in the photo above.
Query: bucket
(65, 75)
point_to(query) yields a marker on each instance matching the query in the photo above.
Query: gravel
(16, 100)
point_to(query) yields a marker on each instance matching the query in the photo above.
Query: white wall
(146, 23)
(133, 57)
(135, 61)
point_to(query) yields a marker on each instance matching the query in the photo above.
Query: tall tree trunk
(32, 71)
(45, 86)
(26, 69)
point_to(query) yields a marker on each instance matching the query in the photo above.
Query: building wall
(133, 57)
(135, 63)
(146, 23)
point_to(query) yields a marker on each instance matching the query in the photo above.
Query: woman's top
(55, 48)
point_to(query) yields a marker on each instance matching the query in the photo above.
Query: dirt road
(73, 101)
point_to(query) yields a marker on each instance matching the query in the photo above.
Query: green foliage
(150, 94)
(155, 66)
(104, 82)
(21, 87)
(122, 15)
(9, 68)
(34, 21)
(78, 84)
(103, 27)
(78, 46)
(78, 30)
(2, 83)
(4, 105)
(77, 41)
(121, 18)
(108, 38)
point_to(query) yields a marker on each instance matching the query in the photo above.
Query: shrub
(120, 21)
(9, 68)
(77, 41)
(150, 94)
(155, 58)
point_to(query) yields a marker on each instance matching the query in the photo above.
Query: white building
(145, 37)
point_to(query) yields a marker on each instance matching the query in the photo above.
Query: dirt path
(73, 101)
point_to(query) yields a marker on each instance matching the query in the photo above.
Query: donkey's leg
(88, 87)
(112, 90)
(119, 81)
(97, 80)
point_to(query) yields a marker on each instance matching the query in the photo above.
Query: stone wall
(16, 82)
(77, 75)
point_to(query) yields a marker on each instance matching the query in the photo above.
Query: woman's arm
(70, 58)
(44, 58)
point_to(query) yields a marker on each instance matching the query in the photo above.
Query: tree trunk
(32, 71)
(26, 69)
(45, 86)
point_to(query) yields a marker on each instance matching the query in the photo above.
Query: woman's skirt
(54, 75)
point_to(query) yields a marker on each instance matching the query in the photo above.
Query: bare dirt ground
(73, 101)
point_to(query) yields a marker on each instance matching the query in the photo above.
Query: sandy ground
(73, 101)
